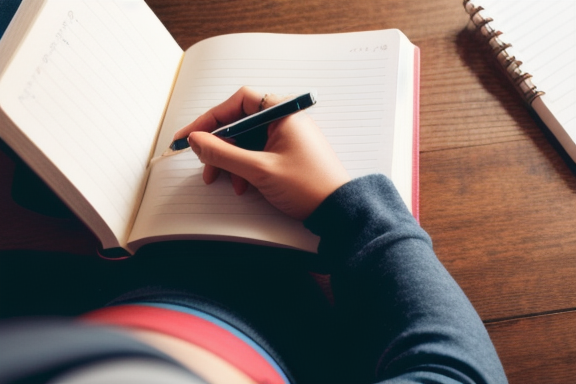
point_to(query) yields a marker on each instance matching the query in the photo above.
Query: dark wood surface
(496, 197)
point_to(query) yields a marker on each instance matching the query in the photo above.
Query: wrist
(357, 213)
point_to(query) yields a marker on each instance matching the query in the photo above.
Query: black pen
(257, 120)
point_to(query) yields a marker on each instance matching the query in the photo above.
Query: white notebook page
(543, 37)
(355, 77)
(89, 87)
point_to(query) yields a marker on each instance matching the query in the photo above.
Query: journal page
(355, 76)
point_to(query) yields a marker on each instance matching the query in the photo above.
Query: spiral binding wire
(511, 66)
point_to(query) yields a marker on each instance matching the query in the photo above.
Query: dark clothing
(401, 317)
(412, 320)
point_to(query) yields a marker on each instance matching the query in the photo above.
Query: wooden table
(496, 197)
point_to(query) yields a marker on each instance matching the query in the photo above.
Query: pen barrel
(266, 116)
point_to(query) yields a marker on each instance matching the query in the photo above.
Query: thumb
(216, 152)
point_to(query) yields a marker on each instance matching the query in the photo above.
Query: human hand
(295, 172)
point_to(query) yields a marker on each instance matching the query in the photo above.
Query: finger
(270, 100)
(244, 102)
(216, 152)
(210, 174)
(239, 184)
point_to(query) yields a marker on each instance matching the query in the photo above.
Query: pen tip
(179, 144)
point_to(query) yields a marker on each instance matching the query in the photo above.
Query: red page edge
(416, 138)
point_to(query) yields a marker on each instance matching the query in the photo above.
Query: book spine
(508, 63)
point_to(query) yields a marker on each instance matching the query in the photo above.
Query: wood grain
(538, 349)
(481, 108)
(501, 217)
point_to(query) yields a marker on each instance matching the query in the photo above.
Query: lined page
(89, 88)
(355, 76)
(543, 37)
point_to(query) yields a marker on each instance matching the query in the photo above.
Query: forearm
(415, 319)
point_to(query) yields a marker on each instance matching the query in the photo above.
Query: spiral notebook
(534, 41)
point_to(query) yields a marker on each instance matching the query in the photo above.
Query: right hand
(295, 172)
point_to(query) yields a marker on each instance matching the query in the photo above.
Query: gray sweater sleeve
(411, 318)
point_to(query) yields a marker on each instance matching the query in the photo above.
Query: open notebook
(91, 93)
(535, 42)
